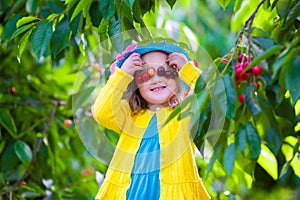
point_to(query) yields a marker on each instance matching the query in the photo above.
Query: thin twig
(241, 33)
(38, 145)
(46, 127)
(250, 21)
(33, 102)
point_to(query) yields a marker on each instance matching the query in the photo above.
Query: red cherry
(87, 172)
(241, 57)
(224, 60)
(174, 74)
(238, 71)
(257, 70)
(240, 74)
(168, 74)
(145, 76)
(238, 65)
(244, 77)
(151, 71)
(196, 63)
(12, 90)
(68, 122)
(161, 71)
(256, 84)
(245, 64)
(22, 183)
(242, 98)
(138, 79)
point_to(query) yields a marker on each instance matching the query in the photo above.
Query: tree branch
(248, 23)
(33, 102)
(40, 140)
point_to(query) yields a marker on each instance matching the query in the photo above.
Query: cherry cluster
(144, 75)
(242, 74)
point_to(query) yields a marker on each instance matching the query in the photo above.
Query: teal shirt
(145, 183)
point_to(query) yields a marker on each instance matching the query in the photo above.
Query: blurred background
(51, 63)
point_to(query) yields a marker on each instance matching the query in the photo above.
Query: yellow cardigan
(179, 179)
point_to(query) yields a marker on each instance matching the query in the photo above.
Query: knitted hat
(143, 49)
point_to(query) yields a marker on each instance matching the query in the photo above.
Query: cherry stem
(248, 23)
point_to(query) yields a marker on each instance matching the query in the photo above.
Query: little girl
(153, 160)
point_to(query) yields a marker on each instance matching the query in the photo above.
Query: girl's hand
(177, 60)
(132, 63)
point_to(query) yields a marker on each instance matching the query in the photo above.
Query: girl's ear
(174, 101)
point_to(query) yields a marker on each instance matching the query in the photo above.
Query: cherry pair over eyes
(144, 75)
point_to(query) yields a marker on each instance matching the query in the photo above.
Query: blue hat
(161, 46)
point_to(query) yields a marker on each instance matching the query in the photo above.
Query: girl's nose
(155, 78)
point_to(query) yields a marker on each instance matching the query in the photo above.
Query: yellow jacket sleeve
(109, 109)
(190, 74)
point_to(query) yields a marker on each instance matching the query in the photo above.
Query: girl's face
(158, 89)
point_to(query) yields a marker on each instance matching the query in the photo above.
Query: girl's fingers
(137, 63)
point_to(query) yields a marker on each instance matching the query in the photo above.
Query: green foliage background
(44, 43)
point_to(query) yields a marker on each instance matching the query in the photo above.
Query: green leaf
(23, 152)
(40, 38)
(26, 20)
(268, 162)
(242, 138)
(251, 99)
(267, 126)
(31, 6)
(224, 3)
(80, 98)
(112, 136)
(237, 5)
(285, 168)
(290, 150)
(281, 62)
(218, 99)
(230, 96)
(293, 80)
(82, 6)
(102, 30)
(114, 29)
(200, 85)
(22, 44)
(253, 140)
(60, 38)
(282, 7)
(2, 146)
(95, 14)
(9, 160)
(266, 54)
(212, 160)
(10, 27)
(265, 42)
(107, 8)
(75, 23)
(229, 158)
(130, 3)
(22, 30)
(178, 109)
(7, 121)
(171, 2)
(292, 15)
(15, 173)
